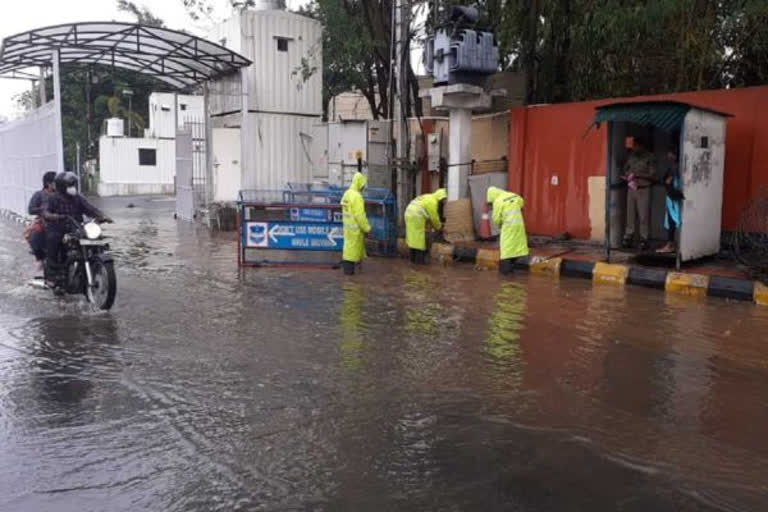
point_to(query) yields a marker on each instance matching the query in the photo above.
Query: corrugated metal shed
(277, 132)
(226, 93)
(277, 151)
(274, 85)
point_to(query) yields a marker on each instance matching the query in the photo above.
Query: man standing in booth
(639, 173)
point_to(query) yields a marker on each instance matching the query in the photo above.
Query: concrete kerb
(680, 283)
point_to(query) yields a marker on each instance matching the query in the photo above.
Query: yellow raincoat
(422, 209)
(508, 215)
(355, 221)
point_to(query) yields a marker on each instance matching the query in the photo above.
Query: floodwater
(400, 389)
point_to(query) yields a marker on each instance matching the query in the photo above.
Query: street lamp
(129, 93)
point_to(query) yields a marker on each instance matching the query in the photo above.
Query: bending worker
(422, 209)
(508, 215)
(355, 224)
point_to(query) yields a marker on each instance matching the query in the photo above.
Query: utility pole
(88, 114)
(77, 165)
(402, 21)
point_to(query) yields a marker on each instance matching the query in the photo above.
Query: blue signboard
(310, 215)
(305, 236)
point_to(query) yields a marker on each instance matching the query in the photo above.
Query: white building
(161, 118)
(147, 165)
(265, 117)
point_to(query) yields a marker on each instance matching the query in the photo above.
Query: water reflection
(505, 323)
(351, 320)
(68, 354)
(422, 313)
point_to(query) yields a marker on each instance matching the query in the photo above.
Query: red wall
(553, 140)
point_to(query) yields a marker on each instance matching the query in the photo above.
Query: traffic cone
(485, 224)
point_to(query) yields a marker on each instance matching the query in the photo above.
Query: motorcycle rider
(35, 233)
(65, 204)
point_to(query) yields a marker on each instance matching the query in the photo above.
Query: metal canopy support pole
(41, 86)
(57, 110)
(208, 147)
(175, 136)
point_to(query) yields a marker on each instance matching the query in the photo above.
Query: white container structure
(147, 165)
(370, 139)
(275, 108)
(162, 118)
(134, 166)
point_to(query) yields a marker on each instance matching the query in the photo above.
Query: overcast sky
(19, 16)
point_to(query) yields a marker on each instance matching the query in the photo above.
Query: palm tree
(116, 109)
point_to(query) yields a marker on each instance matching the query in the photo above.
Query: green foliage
(198, 9)
(584, 49)
(143, 14)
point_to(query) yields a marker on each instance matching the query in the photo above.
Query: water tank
(115, 127)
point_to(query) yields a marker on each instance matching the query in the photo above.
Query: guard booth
(697, 136)
(302, 225)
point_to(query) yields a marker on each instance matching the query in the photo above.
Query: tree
(357, 50)
(143, 14)
(583, 49)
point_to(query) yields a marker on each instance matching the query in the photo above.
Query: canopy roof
(667, 115)
(176, 58)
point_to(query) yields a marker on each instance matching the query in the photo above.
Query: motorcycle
(88, 267)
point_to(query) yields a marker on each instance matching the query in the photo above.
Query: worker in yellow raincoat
(508, 215)
(421, 210)
(355, 224)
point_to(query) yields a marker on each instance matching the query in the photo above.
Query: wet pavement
(399, 389)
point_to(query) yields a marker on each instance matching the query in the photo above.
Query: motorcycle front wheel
(104, 287)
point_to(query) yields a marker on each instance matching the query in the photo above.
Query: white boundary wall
(29, 147)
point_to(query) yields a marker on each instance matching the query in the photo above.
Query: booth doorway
(680, 139)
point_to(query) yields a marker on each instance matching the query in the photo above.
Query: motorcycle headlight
(92, 231)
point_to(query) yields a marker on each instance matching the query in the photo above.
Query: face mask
(72, 191)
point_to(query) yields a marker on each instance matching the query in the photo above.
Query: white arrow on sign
(278, 230)
(335, 234)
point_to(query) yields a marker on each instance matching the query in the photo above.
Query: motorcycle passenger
(35, 233)
(65, 204)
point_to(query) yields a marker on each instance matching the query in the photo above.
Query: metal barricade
(302, 225)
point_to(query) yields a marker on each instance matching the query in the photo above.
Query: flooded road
(399, 389)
